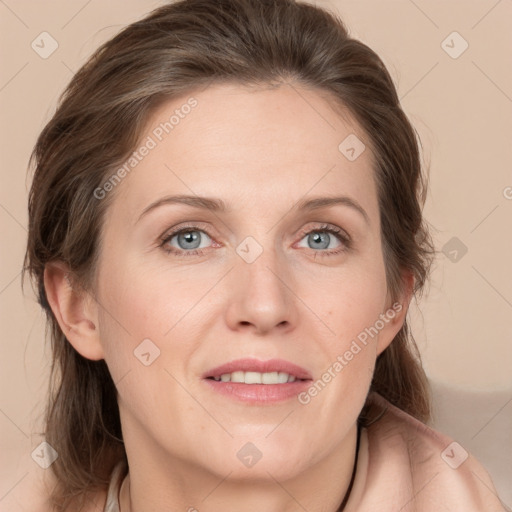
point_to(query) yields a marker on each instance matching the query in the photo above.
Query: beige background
(462, 109)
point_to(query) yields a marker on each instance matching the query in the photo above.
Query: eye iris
(189, 237)
(190, 240)
(318, 238)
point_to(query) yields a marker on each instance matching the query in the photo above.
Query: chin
(259, 459)
(267, 469)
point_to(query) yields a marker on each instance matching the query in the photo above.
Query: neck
(194, 490)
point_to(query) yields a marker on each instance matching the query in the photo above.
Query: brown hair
(176, 49)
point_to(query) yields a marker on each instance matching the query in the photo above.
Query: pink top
(402, 466)
(405, 466)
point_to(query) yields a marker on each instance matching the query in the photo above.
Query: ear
(395, 314)
(75, 310)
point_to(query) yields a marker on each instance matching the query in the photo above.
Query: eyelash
(337, 232)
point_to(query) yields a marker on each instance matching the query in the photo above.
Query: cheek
(354, 301)
(353, 306)
(131, 323)
(147, 302)
(147, 314)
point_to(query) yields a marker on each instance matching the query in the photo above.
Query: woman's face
(263, 280)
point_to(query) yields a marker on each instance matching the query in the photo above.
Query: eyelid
(190, 225)
(326, 226)
(341, 234)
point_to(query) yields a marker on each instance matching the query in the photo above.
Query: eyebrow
(217, 205)
(324, 202)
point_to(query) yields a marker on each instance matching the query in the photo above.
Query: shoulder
(426, 469)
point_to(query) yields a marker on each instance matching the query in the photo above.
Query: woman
(226, 233)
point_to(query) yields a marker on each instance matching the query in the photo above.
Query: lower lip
(259, 393)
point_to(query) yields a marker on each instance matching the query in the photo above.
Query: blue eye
(322, 238)
(187, 241)
(319, 239)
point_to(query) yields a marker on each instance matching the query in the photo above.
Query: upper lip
(255, 365)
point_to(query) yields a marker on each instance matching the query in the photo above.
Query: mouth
(252, 380)
(256, 377)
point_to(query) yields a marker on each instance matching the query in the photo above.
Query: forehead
(230, 140)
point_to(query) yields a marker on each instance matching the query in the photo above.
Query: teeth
(270, 378)
(237, 377)
(252, 378)
(282, 377)
(257, 377)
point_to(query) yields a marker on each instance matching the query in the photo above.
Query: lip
(255, 365)
(259, 394)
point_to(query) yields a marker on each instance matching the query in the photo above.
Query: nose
(261, 297)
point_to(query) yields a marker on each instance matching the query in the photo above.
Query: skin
(260, 151)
